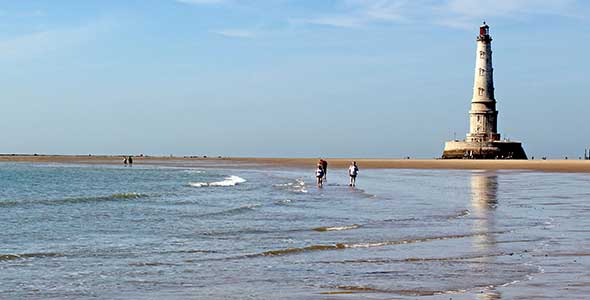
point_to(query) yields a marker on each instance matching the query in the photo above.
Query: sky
(287, 78)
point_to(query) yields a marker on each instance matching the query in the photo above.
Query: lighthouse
(483, 116)
(483, 140)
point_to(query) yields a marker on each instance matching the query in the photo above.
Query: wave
(75, 200)
(337, 228)
(470, 259)
(228, 181)
(283, 202)
(232, 211)
(113, 197)
(303, 249)
(4, 257)
(252, 231)
(405, 292)
(151, 264)
(193, 171)
(341, 246)
(297, 186)
(455, 215)
(344, 246)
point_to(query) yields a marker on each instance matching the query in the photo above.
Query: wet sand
(364, 163)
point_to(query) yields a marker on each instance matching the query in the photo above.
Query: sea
(226, 230)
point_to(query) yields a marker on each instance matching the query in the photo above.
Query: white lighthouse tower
(483, 139)
(483, 116)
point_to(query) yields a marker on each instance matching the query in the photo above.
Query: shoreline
(565, 166)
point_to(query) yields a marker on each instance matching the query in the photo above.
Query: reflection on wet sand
(484, 189)
(484, 199)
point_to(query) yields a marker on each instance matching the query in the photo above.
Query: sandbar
(364, 163)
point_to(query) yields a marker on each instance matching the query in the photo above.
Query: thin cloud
(40, 43)
(236, 33)
(334, 21)
(483, 8)
(361, 13)
(450, 13)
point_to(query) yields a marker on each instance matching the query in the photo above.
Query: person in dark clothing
(324, 164)
(130, 160)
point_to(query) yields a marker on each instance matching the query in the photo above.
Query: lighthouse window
(481, 91)
(482, 72)
(482, 54)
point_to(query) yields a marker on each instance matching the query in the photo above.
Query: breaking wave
(228, 181)
(337, 228)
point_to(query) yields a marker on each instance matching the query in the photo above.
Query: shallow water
(249, 232)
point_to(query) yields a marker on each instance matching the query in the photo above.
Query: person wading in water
(319, 174)
(324, 164)
(353, 171)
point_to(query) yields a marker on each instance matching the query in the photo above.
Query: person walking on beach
(130, 160)
(125, 160)
(353, 171)
(319, 174)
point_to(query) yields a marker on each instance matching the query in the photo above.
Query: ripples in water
(4, 257)
(274, 235)
(76, 200)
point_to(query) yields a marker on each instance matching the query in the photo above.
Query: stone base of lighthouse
(483, 150)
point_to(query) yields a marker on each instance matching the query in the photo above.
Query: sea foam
(228, 181)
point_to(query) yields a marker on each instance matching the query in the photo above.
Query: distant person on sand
(319, 174)
(125, 160)
(130, 159)
(353, 171)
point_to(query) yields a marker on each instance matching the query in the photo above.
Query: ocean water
(223, 231)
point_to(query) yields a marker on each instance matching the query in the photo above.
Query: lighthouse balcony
(484, 38)
(482, 137)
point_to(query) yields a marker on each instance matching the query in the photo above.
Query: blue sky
(364, 78)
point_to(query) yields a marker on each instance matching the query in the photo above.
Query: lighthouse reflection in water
(484, 201)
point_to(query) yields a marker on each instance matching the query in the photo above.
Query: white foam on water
(283, 202)
(338, 228)
(300, 187)
(192, 171)
(228, 181)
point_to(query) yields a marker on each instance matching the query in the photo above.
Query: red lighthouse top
(484, 29)
(484, 33)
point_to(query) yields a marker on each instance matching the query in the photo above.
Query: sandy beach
(364, 163)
